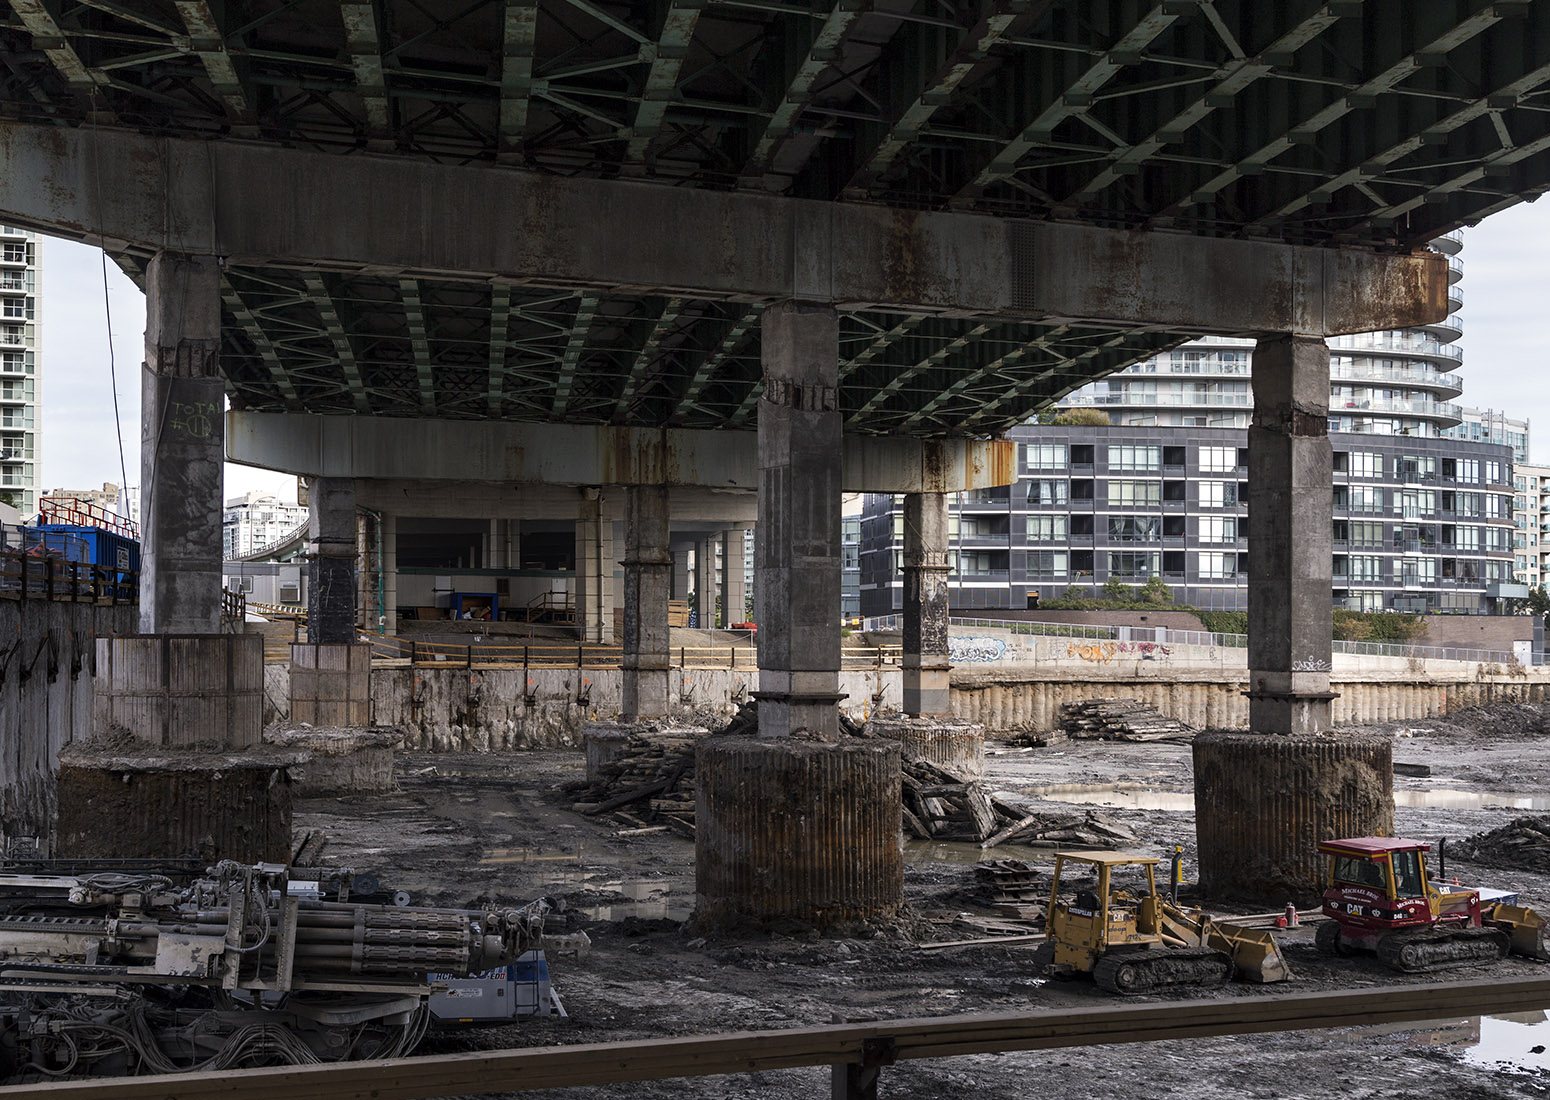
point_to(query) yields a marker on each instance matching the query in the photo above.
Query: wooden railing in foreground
(856, 1051)
(25, 576)
(492, 654)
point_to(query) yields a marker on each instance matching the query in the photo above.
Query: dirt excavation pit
(463, 829)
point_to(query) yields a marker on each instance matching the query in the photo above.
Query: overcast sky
(1506, 333)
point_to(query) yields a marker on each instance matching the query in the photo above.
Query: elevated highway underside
(594, 224)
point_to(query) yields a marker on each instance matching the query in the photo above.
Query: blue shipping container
(102, 548)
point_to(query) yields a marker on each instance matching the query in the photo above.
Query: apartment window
(1469, 469)
(1365, 567)
(1082, 488)
(1081, 454)
(980, 563)
(1173, 457)
(1218, 494)
(1174, 490)
(1082, 526)
(1365, 534)
(1130, 494)
(1470, 504)
(1133, 528)
(14, 252)
(1218, 460)
(1493, 473)
(1218, 528)
(1047, 528)
(1216, 566)
(1047, 565)
(1131, 458)
(1133, 564)
(1047, 491)
(1361, 498)
(1497, 506)
(1496, 539)
(1173, 527)
(1366, 464)
(1045, 456)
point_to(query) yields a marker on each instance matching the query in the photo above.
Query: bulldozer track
(1431, 949)
(1129, 973)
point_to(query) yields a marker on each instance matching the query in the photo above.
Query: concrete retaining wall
(47, 662)
(455, 710)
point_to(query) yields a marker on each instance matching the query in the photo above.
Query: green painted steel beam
(667, 61)
(328, 311)
(414, 321)
(570, 361)
(254, 329)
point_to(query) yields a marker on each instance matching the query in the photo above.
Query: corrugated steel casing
(798, 830)
(211, 807)
(331, 684)
(181, 689)
(946, 742)
(1263, 802)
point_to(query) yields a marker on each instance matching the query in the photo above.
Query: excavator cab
(1380, 897)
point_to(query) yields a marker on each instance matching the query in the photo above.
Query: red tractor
(1380, 897)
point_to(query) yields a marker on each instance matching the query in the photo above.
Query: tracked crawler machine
(138, 971)
(1107, 919)
(1381, 897)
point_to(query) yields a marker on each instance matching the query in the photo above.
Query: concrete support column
(798, 552)
(681, 575)
(389, 573)
(926, 667)
(705, 581)
(734, 587)
(182, 447)
(331, 560)
(1291, 469)
(594, 569)
(648, 574)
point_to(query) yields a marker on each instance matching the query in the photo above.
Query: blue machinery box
(514, 992)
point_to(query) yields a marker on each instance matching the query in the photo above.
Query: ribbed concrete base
(341, 761)
(181, 689)
(210, 805)
(947, 742)
(1263, 803)
(796, 831)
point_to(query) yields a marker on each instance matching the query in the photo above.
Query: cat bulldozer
(1381, 897)
(1106, 919)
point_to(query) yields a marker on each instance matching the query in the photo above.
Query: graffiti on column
(960, 650)
(1104, 652)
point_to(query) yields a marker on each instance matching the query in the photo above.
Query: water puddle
(1517, 1042)
(968, 854)
(1138, 796)
(642, 899)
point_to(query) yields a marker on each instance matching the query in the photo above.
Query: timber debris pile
(1120, 720)
(1011, 887)
(1523, 842)
(939, 805)
(648, 786)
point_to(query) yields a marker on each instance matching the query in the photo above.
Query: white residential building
(21, 382)
(255, 520)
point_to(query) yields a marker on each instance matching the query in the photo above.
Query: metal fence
(1170, 636)
(38, 575)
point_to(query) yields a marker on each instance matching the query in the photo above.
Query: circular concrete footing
(799, 831)
(1263, 802)
(949, 743)
(211, 805)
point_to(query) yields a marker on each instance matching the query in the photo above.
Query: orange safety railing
(74, 512)
(491, 654)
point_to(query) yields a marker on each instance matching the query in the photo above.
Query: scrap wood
(989, 941)
(1121, 720)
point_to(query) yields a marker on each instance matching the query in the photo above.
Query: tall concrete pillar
(648, 575)
(734, 587)
(182, 447)
(681, 575)
(594, 569)
(389, 573)
(797, 558)
(1266, 798)
(1291, 469)
(926, 667)
(331, 560)
(705, 587)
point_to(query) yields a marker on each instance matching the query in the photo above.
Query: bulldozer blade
(1255, 953)
(1524, 927)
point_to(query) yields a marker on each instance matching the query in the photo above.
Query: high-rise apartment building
(21, 382)
(255, 520)
(1422, 512)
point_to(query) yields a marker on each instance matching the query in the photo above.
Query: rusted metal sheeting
(797, 830)
(1264, 801)
(215, 807)
(181, 689)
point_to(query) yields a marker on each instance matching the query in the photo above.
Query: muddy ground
(463, 829)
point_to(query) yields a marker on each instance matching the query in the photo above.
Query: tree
(1538, 601)
(1075, 418)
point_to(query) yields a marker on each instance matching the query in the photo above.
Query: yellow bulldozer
(1107, 919)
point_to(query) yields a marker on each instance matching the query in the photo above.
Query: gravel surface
(466, 829)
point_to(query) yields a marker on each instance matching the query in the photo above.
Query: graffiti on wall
(1104, 652)
(961, 650)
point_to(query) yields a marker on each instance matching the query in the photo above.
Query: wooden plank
(836, 1044)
